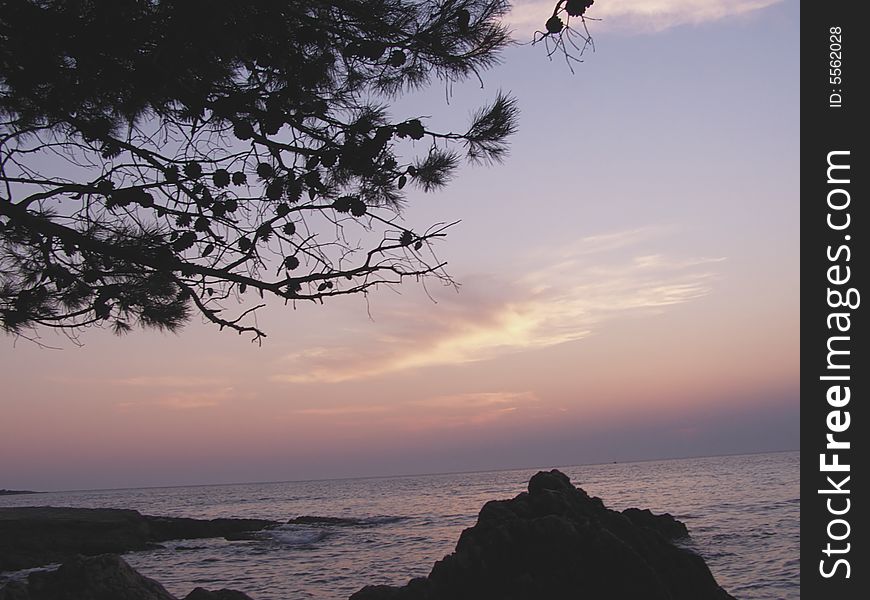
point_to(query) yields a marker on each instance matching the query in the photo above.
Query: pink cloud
(575, 293)
(528, 16)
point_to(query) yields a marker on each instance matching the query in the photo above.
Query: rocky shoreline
(41, 535)
(553, 541)
(103, 577)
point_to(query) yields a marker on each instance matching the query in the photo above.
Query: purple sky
(629, 290)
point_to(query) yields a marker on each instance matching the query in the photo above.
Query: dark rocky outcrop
(557, 542)
(343, 521)
(224, 594)
(104, 577)
(175, 528)
(314, 520)
(665, 524)
(35, 536)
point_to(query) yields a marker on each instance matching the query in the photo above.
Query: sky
(629, 290)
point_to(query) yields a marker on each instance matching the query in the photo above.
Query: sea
(742, 512)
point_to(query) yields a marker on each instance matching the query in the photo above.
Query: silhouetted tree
(561, 35)
(163, 157)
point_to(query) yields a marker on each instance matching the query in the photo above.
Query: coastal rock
(333, 521)
(224, 594)
(5, 492)
(175, 528)
(555, 541)
(35, 536)
(665, 524)
(104, 577)
(14, 590)
(315, 520)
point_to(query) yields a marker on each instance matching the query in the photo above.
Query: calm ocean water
(743, 514)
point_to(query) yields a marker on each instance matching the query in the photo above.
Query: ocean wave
(183, 545)
(298, 537)
(22, 574)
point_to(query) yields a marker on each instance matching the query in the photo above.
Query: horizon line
(403, 475)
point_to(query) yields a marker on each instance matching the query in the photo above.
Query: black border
(826, 128)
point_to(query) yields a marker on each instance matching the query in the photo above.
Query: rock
(224, 594)
(557, 542)
(314, 520)
(35, 536)
(344, 521)
(104, 577)
(14, 590)
(175, 528)
(665, 524)
(244, 536)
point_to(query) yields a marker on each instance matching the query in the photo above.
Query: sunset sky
(629, 290)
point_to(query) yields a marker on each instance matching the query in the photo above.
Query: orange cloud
(342, 411)
(171, 381)
(446, 411)
(585, 285)
(195, 400)
(477, 400)
(149, 381)
(174, 392)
